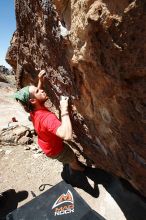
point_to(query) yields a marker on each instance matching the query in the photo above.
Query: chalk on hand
(64, 97)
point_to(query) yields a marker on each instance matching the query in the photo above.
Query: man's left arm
(41, 79)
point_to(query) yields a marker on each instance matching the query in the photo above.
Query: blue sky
(7, 27)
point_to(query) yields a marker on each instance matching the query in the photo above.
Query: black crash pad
(60, 202)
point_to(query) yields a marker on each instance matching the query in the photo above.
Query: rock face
(101, 65)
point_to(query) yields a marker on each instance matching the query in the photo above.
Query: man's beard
(44, 100)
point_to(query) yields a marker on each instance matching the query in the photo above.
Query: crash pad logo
(64, 204)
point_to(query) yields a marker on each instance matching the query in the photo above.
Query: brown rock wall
(101, 65)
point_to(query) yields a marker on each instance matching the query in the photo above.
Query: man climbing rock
(50, 130)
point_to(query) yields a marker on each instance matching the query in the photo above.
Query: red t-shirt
(46, 124)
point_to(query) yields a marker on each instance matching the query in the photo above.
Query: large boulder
(16, 134)
(100, 64)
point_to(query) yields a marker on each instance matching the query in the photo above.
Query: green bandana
(22, 95)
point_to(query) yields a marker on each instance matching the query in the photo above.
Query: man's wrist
(63, 111)
(64, 114)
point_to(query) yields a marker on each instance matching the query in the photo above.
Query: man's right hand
(64, 104)
(65, 129)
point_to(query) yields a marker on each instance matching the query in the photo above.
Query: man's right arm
(65, 129)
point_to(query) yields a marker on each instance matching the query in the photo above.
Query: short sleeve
(51, 123)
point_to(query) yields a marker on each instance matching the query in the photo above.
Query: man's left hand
(41, 75)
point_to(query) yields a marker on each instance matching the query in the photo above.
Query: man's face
(37, 94)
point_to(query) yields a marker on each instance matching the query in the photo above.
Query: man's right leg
(75, 165)
(69, 157)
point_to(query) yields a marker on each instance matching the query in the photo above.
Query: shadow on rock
(132, 204)
(128, 199)
(9, 201)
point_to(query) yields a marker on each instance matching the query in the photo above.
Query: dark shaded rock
(132, 204)
(4, 74)
(5, 71)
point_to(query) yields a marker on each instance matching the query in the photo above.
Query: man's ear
(33, 101)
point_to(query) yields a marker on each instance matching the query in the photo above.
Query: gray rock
(17, 134)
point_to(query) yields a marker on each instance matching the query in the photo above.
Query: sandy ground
(23, 169)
